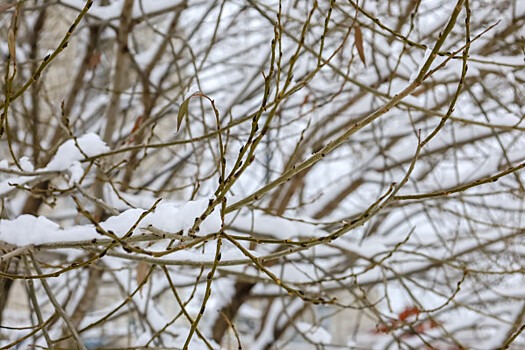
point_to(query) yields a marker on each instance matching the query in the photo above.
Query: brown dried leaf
(94, 60)
(182, 112)
(184, 107)
(136, 126)
(359, 43)
(142, 272)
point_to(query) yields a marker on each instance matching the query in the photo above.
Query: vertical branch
(119, 84)
(57, 305)
(121, 71)
(6, 283)
(36, 305)
(35, 88)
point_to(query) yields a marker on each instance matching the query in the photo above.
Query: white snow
(28, 229)
(76, 171)
(67, 158)
(26, 164)
(90, 144)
